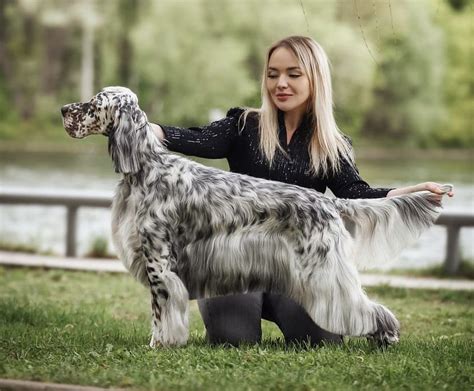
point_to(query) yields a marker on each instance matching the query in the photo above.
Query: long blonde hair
(327, 144)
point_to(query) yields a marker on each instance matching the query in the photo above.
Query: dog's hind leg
(336, 301)
(169, 296)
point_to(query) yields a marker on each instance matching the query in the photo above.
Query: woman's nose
(282, 82)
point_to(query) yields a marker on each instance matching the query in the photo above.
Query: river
(92, 172)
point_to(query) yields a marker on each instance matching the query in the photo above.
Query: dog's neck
(149, 148)
(139, 118)
(152, 144)
(135, 147)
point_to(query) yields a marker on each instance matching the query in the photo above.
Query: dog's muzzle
(68, 122)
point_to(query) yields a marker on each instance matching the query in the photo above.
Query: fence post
(451, 263)
(71, 228)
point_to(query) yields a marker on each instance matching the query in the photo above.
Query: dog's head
(101, 115)
(113, 112)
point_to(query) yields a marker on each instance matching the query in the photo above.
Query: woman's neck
(293, 120)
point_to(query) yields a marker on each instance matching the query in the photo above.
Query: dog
(185, 230)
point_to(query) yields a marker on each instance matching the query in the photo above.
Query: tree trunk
(87, 67)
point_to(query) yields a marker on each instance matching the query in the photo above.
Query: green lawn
(93, 329)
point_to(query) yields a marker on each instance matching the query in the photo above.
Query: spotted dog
(185, 230)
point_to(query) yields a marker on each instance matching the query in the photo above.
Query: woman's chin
(283, 106)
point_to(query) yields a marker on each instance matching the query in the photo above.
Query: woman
(292, 138)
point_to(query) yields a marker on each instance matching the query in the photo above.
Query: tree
(408, 48)
(458, 82)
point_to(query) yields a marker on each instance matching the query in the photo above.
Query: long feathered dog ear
(123, 144)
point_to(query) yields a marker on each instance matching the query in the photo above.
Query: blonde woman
(292, 138)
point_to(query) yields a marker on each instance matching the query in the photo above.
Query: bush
(99, 248)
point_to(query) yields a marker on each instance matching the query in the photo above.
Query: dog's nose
(64, 110)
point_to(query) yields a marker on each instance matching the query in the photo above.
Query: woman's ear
(123, 143)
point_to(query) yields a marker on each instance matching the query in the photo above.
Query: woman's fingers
(438, 188)
(435, 188)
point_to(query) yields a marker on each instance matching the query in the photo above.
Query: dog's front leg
(169, 296)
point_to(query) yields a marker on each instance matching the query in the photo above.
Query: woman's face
(287, 83)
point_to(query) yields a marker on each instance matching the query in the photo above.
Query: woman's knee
(295, 323)
(234, 319)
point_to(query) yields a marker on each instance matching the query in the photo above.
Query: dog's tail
(382, 227)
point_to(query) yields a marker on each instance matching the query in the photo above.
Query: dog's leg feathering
(336, 301)
(169, 296)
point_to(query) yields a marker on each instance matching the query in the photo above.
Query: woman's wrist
(402, 190)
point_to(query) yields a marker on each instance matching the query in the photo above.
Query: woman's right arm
(211, 141)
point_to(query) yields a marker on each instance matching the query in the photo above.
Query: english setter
(186, 230)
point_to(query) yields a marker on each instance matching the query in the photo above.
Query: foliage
(99, 248)
(17, 247)
(93, 329)
(458, 130)
(407, 97)
(400, 69)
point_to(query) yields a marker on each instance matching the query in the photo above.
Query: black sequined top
(228, 138)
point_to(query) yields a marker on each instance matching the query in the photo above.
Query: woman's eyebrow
(288, 69)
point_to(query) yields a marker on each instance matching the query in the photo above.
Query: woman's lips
(283, 97)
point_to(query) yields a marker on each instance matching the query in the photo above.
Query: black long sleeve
(228, 138)
(348, 184)
(212, 141)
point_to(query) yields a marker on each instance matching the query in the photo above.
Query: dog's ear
(123, 143)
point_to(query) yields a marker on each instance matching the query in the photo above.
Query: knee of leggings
(233, 320)
(234, 337)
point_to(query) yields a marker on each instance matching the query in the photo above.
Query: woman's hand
(158, 131)
(432, 187)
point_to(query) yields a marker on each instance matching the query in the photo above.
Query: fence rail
(72, 202)
(452, 221)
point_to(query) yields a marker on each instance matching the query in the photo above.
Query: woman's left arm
(433, 187)
(348, 184)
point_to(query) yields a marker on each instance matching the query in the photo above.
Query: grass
(93, 329)
(27, 248)
(19, 247)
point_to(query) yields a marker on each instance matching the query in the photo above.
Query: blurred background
(402, 75)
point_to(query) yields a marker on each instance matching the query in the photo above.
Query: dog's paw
(388, 328)
(154, 343)
(164, 341)
(384, 339)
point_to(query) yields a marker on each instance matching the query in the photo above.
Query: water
(92, 172)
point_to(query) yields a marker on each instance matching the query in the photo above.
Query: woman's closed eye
(293, 76)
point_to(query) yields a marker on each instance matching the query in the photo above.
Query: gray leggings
(236, 319)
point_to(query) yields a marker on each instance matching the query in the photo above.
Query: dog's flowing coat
(184, 229)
